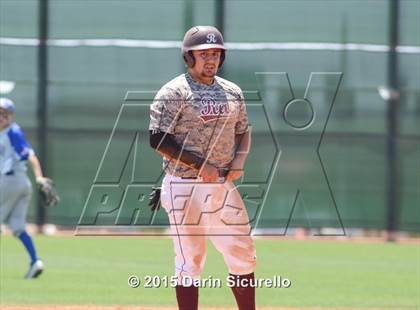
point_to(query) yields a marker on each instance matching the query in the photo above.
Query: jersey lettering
(213, 110)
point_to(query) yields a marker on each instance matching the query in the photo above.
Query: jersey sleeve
(165, 110)
(19, 143)
(242, 123)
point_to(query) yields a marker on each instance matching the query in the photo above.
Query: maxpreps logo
(212, 110)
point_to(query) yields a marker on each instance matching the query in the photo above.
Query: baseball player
(199, 124)
(15, 187)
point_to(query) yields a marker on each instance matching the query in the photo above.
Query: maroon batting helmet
(200, 38)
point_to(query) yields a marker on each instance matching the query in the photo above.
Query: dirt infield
(56, 307)
(368, 236)
(62, 307)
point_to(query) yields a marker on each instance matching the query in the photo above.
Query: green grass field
(94, 271)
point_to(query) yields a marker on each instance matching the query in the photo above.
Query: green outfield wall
(88, 84)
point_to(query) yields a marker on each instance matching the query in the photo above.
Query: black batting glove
(154, 199)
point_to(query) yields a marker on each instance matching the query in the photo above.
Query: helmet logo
(211, 38)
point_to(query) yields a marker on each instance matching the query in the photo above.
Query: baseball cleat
(35, 270)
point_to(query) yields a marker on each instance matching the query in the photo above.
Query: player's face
(5, 118)
(206, 63)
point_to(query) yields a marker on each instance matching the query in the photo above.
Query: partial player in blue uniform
(15, 186)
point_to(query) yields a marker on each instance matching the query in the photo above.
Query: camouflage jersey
(203, 119)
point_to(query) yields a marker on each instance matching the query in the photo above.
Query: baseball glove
(48, 192)
(154, 199)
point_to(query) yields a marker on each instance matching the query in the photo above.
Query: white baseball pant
(199, 211)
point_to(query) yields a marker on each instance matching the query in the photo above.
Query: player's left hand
(209, 173)
(47, 191)
(234, 175)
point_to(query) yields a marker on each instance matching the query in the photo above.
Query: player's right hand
(209, 173)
